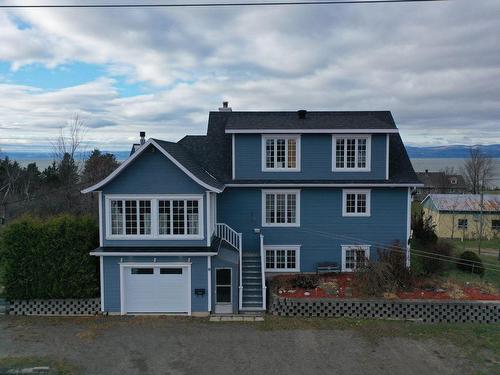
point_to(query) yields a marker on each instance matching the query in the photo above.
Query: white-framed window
(354, 256)
(462, 223)
(154, 217)
(281, 153)
(280, 208)
(351, 153)
(356, 202)
(282, 258)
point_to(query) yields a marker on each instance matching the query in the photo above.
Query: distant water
(419, 164)
(439, 164)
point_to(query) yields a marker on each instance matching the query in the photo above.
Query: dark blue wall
(323, 228)
(316, 159)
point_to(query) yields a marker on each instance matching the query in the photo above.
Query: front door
(223, 291)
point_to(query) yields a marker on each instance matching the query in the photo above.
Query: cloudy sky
(436, 66)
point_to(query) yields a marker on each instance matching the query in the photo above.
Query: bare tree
(477, 170)
(70, 138)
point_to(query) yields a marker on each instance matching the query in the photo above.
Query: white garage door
(156, 289)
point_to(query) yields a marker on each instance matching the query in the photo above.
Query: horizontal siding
(316, 159)
(323, 228)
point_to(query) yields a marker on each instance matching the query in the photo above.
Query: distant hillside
(453, 151)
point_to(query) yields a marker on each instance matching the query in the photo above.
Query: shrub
(305, 281)
(433, 260)
(423, 229)
(471, 262)
(50, 258)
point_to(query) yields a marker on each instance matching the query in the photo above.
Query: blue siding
(316, 159)
(153, 173)
(199, 279)
(323, 228)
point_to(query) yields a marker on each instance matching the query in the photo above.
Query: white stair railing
(229, 235)
(263, 272)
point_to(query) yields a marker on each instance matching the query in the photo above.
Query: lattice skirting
(84, 306)
(425, 311)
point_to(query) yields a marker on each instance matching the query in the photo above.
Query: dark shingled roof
(214, 248)
(441, 180)
(189, 161)
(313, 120)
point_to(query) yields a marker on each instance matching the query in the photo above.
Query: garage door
(156, 289)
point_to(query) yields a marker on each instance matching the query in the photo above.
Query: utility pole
(480, 223)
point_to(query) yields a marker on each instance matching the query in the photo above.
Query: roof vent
(302, 113)
(225, 107)
(143, 137)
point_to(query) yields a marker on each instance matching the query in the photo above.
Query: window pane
(350, 206)
(223, 294)
(292, 153)
(495, 224)
(130, 217)
(270, 208)
(360, 258)
(361, 204)
(291, 211)
(349, 259)
(351, 153)
(270, 259)
(280, 258)
(223, 276)
(270, 153)
(142, 271)
(192, 217)
(290, 259)
(164, 225)
(280, 153)
(145, 217)
(339, 157)
(178, 219)
(171, 271)
(280, 208)
(361, 153)
(116, 217)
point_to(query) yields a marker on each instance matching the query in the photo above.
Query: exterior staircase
(252, 281)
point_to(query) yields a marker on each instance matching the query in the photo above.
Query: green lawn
(472, 244)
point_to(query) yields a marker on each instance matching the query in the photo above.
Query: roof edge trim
(313, 131)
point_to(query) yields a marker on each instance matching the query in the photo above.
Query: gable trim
(135, 155)
(304, 131)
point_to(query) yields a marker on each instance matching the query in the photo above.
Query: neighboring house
(460, 215)
(440, 183)
(195, 226)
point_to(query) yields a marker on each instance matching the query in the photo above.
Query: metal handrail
(262, 267)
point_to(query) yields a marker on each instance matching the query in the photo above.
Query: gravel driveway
(148, 345)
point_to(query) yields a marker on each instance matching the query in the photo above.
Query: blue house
(195, 227)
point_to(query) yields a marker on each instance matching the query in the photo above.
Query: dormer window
(351, 153)
(281, 153)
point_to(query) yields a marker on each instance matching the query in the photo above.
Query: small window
(354, 257)
(495, 224)
(282, 259)
(356, 203)
(142, 271)
(462, 223)
(453, 180)
(171, 271)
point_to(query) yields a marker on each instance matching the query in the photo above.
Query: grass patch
(57, 367)
(493, 243)
(480, 343)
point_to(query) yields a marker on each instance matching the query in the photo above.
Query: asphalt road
(177, 346)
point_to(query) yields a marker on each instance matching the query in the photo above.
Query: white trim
(230, 285)
(368, 139)
(292, 185)
(286, 137)
(209, 231)
(356, 191)
(155, 235)
(305, 131)
(387, 157)
(151, 254)
(209, 285)
(366, 248)
(135, 155)
(101, 270)
(233, 158)
(124, 265)
(295, 248)
(101, 229)
(408, 228)
(297, 207)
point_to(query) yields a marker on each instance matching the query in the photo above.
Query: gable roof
(176, 154)
(317, 121)
(441, 180)
(464, 202)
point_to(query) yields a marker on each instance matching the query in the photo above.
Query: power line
(217, 4)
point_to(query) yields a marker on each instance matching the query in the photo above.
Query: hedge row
(49, 258)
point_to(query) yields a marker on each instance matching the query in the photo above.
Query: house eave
(313, 131)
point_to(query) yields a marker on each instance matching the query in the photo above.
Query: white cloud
(436, 66)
